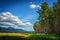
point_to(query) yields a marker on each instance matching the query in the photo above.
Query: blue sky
(24, 9)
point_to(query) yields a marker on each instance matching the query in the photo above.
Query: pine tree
(57, 26)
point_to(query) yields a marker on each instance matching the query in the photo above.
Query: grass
(14, 34)
(27, 36)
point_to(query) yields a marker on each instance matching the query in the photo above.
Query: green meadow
(28, 36)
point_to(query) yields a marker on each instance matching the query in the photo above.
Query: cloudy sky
(20, 14)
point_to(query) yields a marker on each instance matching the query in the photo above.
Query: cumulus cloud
(9, 20)
(34, 5)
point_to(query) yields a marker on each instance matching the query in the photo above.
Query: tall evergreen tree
(57, 25)
(43, 18)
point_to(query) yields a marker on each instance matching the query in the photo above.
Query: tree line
(49, 19)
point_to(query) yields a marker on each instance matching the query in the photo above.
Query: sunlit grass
(15, 34)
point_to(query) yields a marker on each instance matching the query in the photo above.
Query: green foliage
(37, 24)
(43, 13)
(37, 27)
(47, 16)
(44, 37)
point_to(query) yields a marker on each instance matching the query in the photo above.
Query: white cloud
(9, 20)
(34, 5)
(28, 23)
